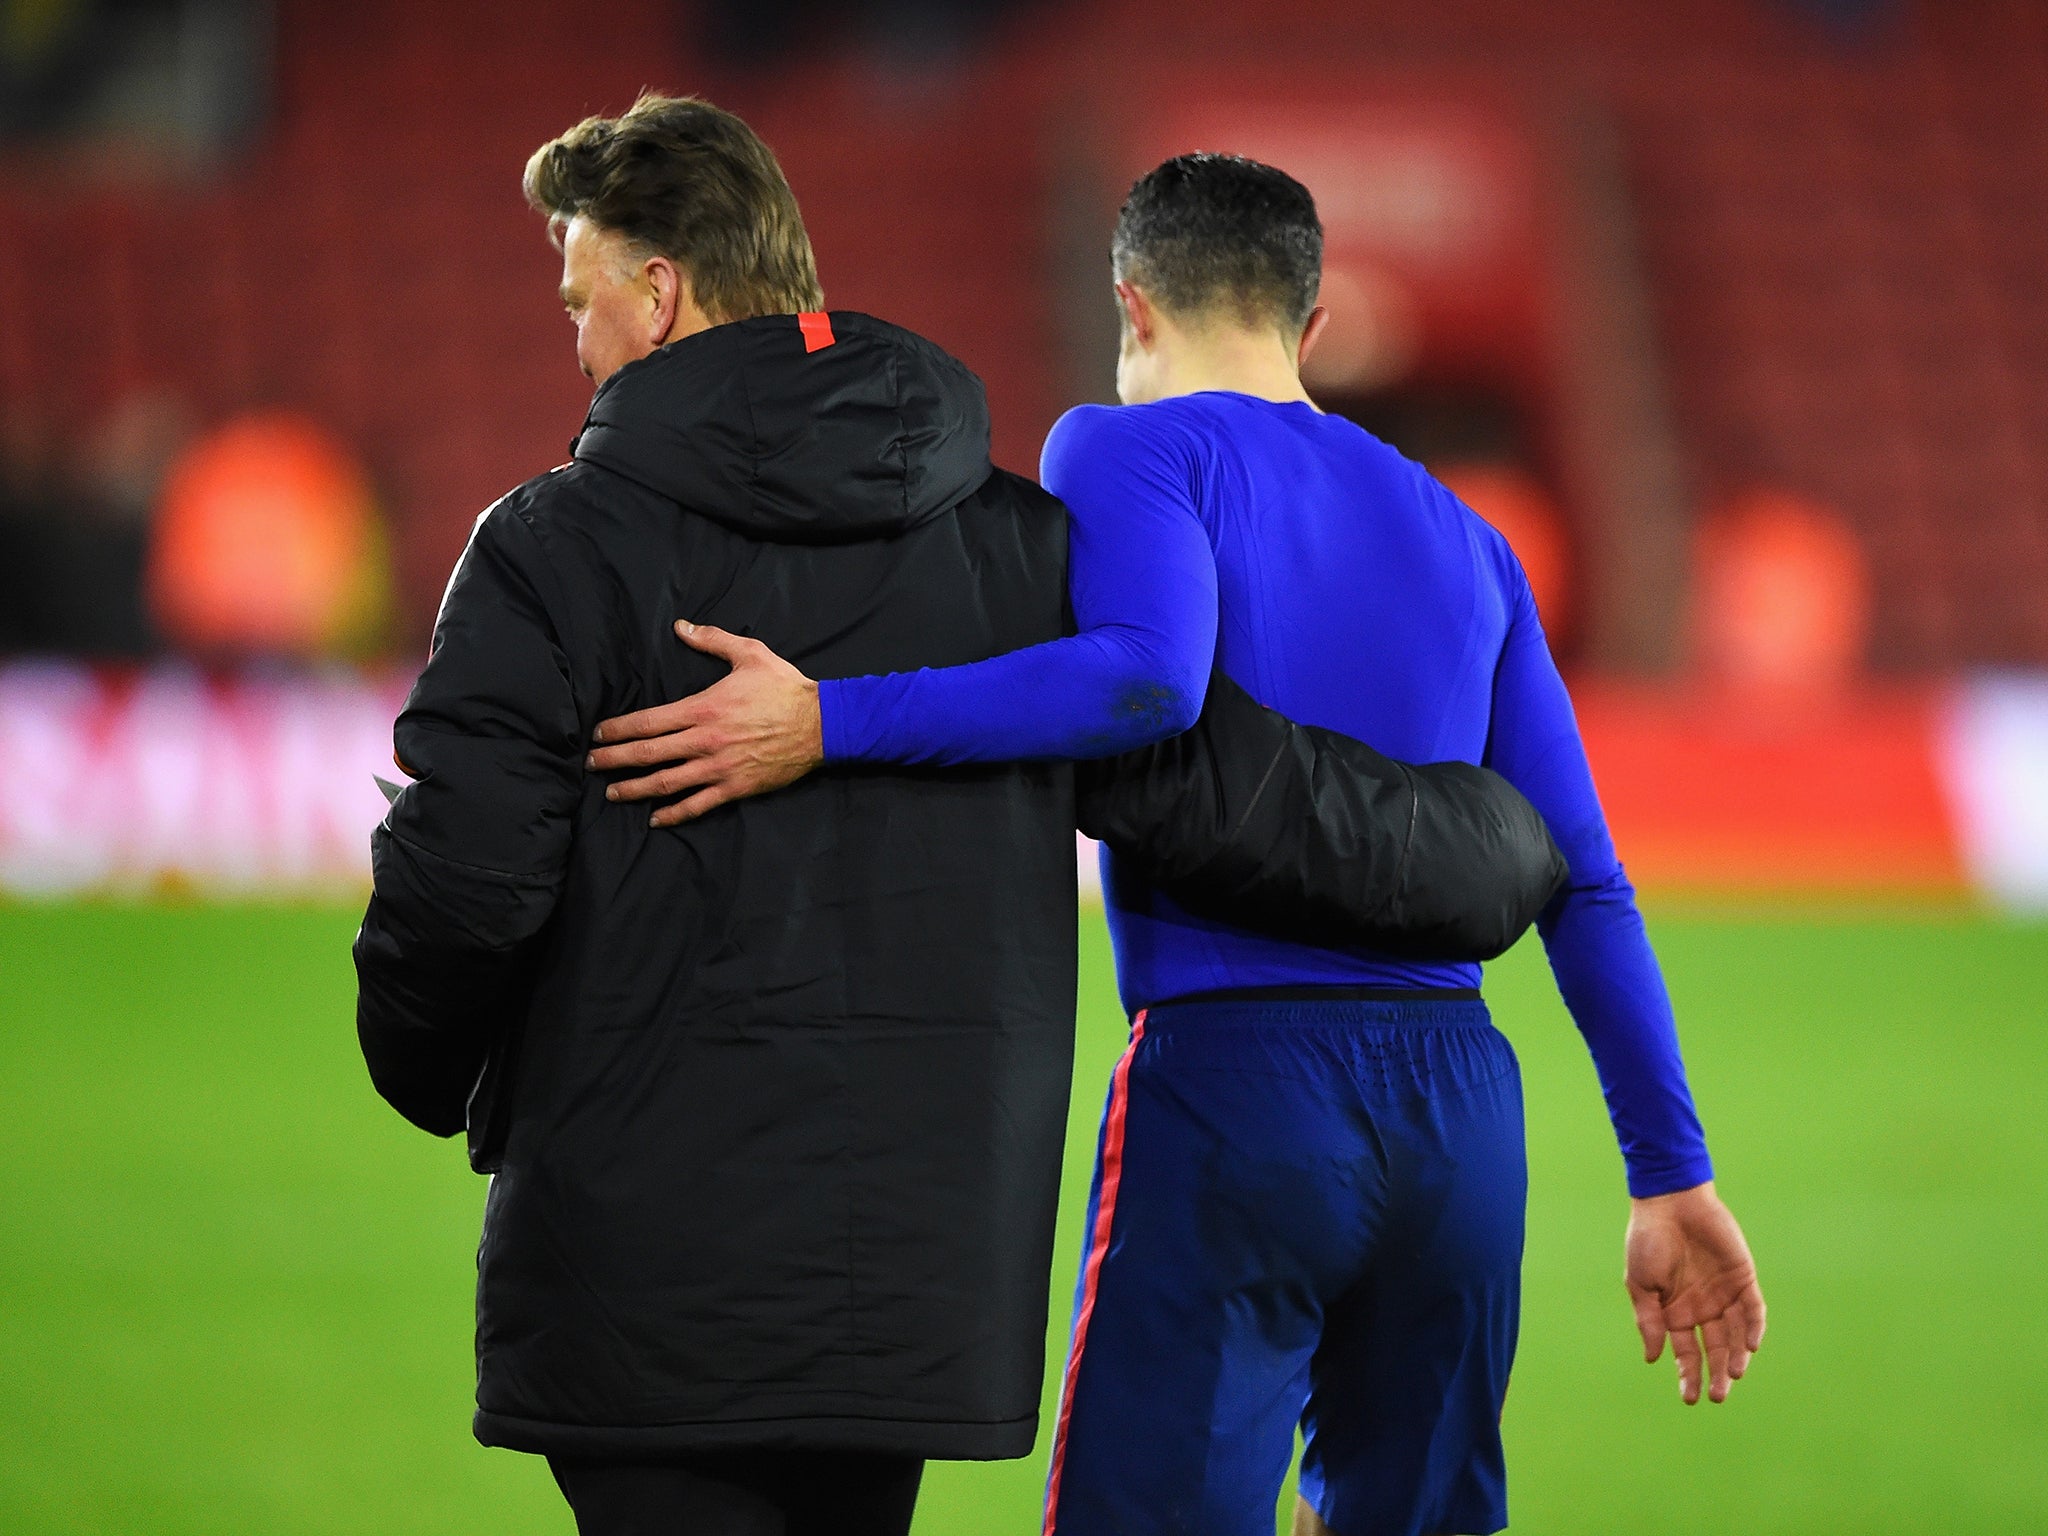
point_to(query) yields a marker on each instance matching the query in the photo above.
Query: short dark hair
(680, 178)
(1203, 233)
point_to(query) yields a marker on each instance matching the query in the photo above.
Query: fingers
(1715, 1332)
(690, 742)
(696, 805)
(1738, 1351)
(1685, 1349)
(1723, 1343)
(1755, 1316)
(1691, 1279)
(669, 781)
(1649, 1322)
(1745, 1320)
(661, 720)
(723, 644)
(754, 731)
(678, 715)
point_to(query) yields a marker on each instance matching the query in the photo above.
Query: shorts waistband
(1325, 995)
(1324, 1007)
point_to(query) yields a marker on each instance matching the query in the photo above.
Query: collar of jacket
(759, 426)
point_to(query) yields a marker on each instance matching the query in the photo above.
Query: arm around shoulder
(1308, 834)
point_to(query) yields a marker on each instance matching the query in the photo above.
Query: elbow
(1182, 692)
(1153, 709)
(423, 1072)
(436, 1108)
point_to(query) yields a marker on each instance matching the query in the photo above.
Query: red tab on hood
(817, 328)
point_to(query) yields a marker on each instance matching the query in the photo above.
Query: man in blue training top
(1308, 1200)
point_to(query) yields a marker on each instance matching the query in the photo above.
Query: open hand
(1691, 1279)
(754, 730)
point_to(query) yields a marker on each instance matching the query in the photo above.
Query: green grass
(235, 1291)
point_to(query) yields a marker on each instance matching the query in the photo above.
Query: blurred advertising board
(262, 783)
(1927, 789)
(254, 783)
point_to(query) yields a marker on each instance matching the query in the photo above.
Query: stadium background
(1732, 313)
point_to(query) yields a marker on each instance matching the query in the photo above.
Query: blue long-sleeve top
(1340, 584)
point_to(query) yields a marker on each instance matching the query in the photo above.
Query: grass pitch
(235, 1290)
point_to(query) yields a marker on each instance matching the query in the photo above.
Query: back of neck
(1235, 361)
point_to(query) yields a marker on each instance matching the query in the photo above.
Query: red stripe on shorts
(1098, 1248)
(817, 328)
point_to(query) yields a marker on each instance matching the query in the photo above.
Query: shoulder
(1492, 554)
(575, 519)
(1009, 487)
(1089, 439)
(529, 536)
(544, 505)
(1087, 427)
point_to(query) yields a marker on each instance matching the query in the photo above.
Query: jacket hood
(811, 430)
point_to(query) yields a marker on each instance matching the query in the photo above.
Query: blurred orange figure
(1782, 601)
(1518, 508)
(267, 540)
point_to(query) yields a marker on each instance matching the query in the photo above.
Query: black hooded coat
(776, 1101)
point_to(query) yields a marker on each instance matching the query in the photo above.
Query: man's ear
(665, 297)
(1139, 314)
(1318, 322)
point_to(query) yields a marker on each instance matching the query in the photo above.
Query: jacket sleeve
(469, 861)
(1310, 835)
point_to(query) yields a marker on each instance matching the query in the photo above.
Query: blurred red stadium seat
(1512, 500)
(1830, 237)
(267, 541)
(1781, 600)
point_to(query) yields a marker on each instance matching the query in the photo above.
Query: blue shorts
(1303, 1212)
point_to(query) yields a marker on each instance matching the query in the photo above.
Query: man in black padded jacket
(775, 1102)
